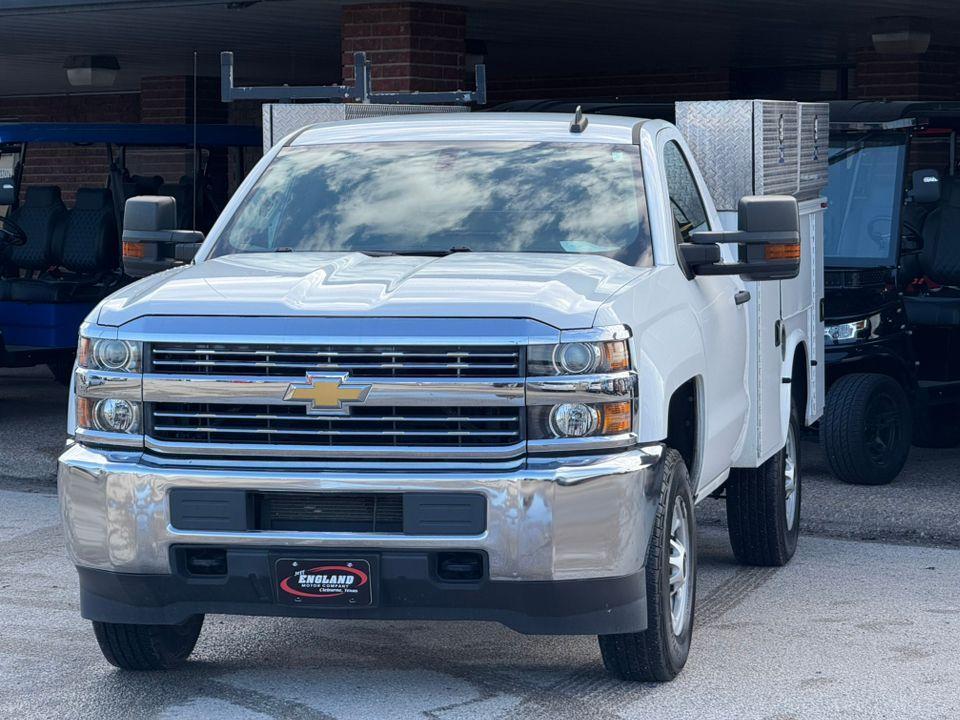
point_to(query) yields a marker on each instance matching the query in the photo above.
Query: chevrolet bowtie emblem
(326, 394)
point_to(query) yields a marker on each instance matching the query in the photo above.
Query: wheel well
(682, 423)
(798, 380)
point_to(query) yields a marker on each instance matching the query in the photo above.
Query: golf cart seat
(85, 252)
(43, 218)
(939, 260)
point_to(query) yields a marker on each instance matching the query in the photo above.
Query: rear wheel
(763, 506)
(147, 647)
(866, 428)
(660, 652)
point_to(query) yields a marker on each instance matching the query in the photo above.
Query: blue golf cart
(57, 263)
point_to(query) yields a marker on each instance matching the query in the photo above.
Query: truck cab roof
(471, 127)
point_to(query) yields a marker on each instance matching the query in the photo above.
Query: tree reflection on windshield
(434, 197)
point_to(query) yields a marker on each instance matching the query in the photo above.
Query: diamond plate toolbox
(756, 147)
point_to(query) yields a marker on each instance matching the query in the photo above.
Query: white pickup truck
(477, 366)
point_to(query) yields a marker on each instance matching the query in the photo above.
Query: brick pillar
(411, 45)
(930, 76)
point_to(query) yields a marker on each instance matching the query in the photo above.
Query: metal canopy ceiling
(298, 41)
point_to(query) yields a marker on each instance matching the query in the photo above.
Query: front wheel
(866, 428)
(658, 653)
(147, 647)
(763, 506)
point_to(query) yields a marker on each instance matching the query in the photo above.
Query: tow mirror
(151, 241)
(768, 237)
(926, 186)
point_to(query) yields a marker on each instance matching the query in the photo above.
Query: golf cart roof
(132, 134)
(894, 114)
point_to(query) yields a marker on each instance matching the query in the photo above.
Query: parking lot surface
(849, 629)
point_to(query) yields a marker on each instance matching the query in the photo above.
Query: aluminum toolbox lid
(756, 147)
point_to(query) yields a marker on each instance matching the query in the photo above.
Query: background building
(139, 58)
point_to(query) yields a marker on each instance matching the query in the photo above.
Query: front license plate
(330, 583)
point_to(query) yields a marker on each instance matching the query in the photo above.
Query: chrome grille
(425, 426)
(360, 361)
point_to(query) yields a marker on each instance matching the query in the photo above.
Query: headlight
(109, 354)
(580, 420)
(852, 331)
(108, 415)
(578, 358)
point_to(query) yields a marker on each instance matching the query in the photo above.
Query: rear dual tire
(658, 653)
(763, 506)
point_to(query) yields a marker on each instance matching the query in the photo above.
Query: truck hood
(561, 290)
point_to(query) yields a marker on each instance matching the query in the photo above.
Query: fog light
(115, 415)
(574, 420)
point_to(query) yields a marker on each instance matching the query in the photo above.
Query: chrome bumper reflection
(579, 518)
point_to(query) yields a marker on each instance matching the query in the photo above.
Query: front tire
(763, 506)
(147, 647)
(866, 429)
(658, 653)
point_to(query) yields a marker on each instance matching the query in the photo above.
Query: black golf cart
(892, 305)
(57, 262)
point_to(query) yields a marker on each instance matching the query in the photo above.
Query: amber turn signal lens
(85, 412)
(84, 352)
(133, 250)
(789, 251)
(617, 418)
(616, 355)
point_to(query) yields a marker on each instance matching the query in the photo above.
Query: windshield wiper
(425, 253)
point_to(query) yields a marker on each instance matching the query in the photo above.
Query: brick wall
(931, 76)
(412, 46)
(161, 100)
(69, 166)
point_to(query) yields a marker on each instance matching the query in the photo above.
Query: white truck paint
(715, 363)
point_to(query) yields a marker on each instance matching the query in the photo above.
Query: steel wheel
(679, 566)
(790, 472)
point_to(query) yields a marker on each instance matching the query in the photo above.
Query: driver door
(723, 322)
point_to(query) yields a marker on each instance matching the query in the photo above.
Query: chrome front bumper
(569, 519)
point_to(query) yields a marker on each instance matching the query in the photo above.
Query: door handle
(741, 297)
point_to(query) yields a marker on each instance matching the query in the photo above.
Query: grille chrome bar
(384, 392)
(360, 361)
(330, 418)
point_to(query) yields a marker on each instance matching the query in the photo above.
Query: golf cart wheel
(866, 428)
(147, 647)
(658, 653)
(937, 427)
(763, 506)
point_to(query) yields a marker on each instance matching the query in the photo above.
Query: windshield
(864, 192)
(434, 198)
